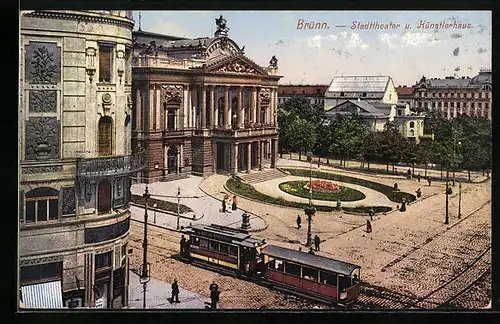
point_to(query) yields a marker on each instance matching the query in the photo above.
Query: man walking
(214, 294)
(175, 292)
(371, 213)
(183, 246)
(368, 226)
(316, 242)
(299, 221)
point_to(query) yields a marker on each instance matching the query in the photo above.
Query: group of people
(214, 294)
(185, 247)
(225, 201)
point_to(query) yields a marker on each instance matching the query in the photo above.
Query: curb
(167, 212)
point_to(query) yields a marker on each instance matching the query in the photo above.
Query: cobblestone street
(411, 260)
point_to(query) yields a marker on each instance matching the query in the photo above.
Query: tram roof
(231, 234)
(316, 261)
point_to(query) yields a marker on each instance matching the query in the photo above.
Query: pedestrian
(183, 246)
(316, 242)
(408, 173)
(175, 292)
(368, 226)
(187, 249)
(403, 205)
(419, 193)
(214, 294)
(299, 221)
(311, 251)
(418, 177)
(234, 203)
(395, 187)
(429, 180)
(224, 205)
(371, 213)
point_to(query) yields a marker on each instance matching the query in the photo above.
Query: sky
(315, 56)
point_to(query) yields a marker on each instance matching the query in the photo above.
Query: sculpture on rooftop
(273, 62)
(221, 26)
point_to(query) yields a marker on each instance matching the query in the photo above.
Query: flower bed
(322, 185)
(300, 189)
(395, 196)
(246, 190)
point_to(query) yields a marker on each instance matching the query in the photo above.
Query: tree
(391, 145)
(348, 134)
(304, 135)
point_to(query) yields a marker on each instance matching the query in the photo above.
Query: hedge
(247, 190)
(296, 188)
(395, 196)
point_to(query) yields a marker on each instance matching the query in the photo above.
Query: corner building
(202, 107)
(75, 158)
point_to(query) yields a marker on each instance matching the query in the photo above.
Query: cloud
(356, 41)
(481, 50)
(408, 39)
(457, 69)
(456, 51)
(342, 39)
(280, 42)
(456, 35)
(388, 39)
(169, 28)
(314, 41)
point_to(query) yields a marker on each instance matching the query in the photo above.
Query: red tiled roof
(302, 89)
(405, 91)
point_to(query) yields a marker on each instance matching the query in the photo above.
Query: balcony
(114, 165)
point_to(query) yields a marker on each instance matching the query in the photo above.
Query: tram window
(233, 250)
(310, 274)
(276, 265)
(204, 243)
(214, 246)
(196, 241)
(328, 278)
(344, 282)
(292, 269)
(224, 248)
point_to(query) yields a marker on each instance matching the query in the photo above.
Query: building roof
(232, 235)
(359, 84)
(405, 91)
(302, 89)
(484, 76)
(316, 261)
(367, 109)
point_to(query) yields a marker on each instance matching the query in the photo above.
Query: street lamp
(310, 209)
(178, 205)
(459, 199)
(154, 218)
(454, 160)
(144, 278)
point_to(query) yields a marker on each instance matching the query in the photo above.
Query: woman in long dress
(234, 203)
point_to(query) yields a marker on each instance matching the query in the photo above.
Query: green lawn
(395, 196)
(161, 204)
(297, 188)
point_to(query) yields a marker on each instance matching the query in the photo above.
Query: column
(194, 106)
(241, 115)
(275, 111)
(178, 159)
(259, 154)
(214, 156)
(235, 158)
(165, 159)
(273, 153)
(183, 122)
(203, 106)
(455, 109)
(227, 108)
(181, 157)
(158, 108)
(151, 107)
(253, 107)
(249, 157)
(212, 107)
(138, 110)
(258, 112)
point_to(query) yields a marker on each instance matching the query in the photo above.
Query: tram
(233, 250)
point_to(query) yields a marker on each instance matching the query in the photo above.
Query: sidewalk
(207, 210)
(157, 293)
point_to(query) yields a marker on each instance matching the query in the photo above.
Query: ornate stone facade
(68, 201)
(42, 138)
(42, 63)
(43, 101)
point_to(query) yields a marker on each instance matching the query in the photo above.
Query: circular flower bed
(322, 185)
(301, 189)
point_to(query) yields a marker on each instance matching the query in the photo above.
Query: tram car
(230, 250)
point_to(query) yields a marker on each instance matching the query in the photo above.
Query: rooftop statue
(221, 26)
(273, 62)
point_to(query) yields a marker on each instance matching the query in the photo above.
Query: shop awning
(43, 295)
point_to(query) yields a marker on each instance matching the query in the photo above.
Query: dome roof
(482, 77)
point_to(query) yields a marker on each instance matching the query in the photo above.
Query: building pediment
(237, 64)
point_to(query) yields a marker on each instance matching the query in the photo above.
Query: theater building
(75, 158)
(201, 106)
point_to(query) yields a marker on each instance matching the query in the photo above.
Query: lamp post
(154, 218)
(459, 199)
(178, 205)
(144, 278)
(310, 210)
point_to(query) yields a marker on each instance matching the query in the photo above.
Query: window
(204, 243)
(41, 273)
(412, 124)
(224, 248)
(104, 197)
(400, 112)
(276, 265)
(103, 260)
(214, 246)
(486, 105)
(328, 278)
(171, 119)
(42, 204)
(233, 250)
(424, 95)
(445, 104)
(342, 94)
(292, 269)
(293, 92)
(412, 133)
(439, 94)
(196, 241)
(303, 92)
(105, 136)
(105, 63)
(472, 104)
(318, 91)
(310, 274)
(364, 94)
(434, 95)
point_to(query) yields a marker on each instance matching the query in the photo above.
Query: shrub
(161, 204)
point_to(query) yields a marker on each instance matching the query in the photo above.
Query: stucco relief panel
(42, 138)
(42, 63)
(42, 101)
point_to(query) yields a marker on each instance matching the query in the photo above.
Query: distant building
(376, 115)
(315, 93)
(371, 89)
(455, 96)
(405, 96)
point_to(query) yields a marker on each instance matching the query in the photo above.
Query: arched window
(104, 197)
(105, 136)
(42, 204)
(220, 112)
(234, 111)
(412, 124)
(412, 133)
(170, 119)
(172, 159)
